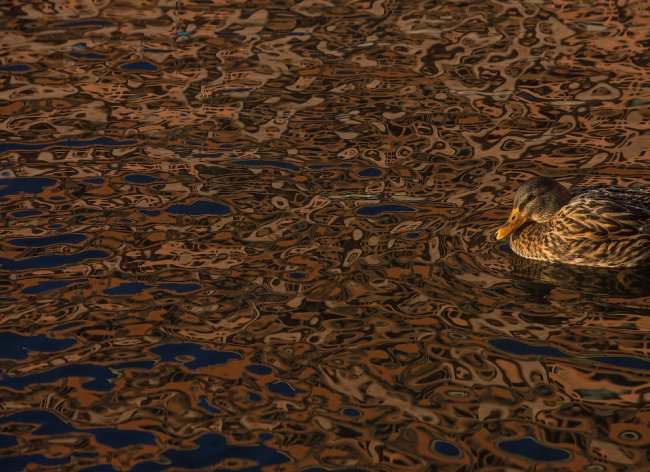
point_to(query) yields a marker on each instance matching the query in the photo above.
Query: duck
(604, 226)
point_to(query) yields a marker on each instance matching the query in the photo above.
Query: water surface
(259, 236)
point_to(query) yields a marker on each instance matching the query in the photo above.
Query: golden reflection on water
(269, 225)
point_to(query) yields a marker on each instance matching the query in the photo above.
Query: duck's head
(538, 199)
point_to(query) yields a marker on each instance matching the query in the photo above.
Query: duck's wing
(627, 196)
(604, 215)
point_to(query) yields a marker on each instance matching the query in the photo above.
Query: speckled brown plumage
(603, 227)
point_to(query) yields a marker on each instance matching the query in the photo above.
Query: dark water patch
(239, 89)
(413, 235)
(531, 98)
(100, 376)
(198, 208)
(209, 154)
(597, 394)
(297, 275)
(48, 422)
(374, 210)
(7, 440)
(259, 369)
(48, 262)
(104, 141)
(43, 241)
(268, 163)
(127, 288)
(99, 468)
(321, 469)
(65, 326)
(84, 24)
(140, 179)
(520, 348)
(180, 288)
(50, 285)
(118, 438)
(369, 172)
(25, 213)
(202, 357)
(150, 212)
(328, 166)
(514, 346)
(89, 55)
(140, 65)
(625, 362)
(51, 424)
(446, 448)
(15, 463)
(148, 466)
(505, 248)
(19, 185)
(213, 448)
(282, 388)
(15, 68)
(203, 402)
(16, 346)
(135, 365)
(254, 397)
(531, 449)
(94, 180)
(351, 412)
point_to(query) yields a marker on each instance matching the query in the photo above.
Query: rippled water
(259, 235)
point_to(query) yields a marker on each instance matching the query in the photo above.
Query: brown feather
(604, 227)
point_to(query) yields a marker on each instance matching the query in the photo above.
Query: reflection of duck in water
(540, 277)
(604, 227)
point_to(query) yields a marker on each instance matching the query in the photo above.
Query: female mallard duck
(604, 227)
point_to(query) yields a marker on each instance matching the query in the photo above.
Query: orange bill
(515, 220)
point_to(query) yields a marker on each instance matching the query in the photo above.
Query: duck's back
(632, 198)
(603, 227)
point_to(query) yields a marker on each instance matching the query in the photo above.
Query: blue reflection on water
(374, 210)
(49, 285)
(50, 261)
(521, 348)
(101, 375)
(104, 141)
(16, 346)
(202, 357)
(267, 163)
(213, 449)
(14, 186)
(42, 241)
(200, 207)
(531, 449)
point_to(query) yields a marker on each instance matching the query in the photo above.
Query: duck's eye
(531, 197)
